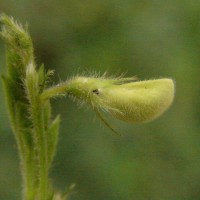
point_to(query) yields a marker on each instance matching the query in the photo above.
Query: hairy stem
(42, 150)
(30, 115)
(54, 91)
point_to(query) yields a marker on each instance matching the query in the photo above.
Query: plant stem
(39, 131)
(55, 91)
(42, 151)
(30, 114)
(30, 187)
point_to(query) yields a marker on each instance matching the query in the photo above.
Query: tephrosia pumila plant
(28, 98)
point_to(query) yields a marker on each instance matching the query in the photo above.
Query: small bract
(125, 98)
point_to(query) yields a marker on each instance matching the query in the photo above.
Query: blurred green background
(151, 39)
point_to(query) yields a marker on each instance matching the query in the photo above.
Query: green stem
(35, 132)
(27, 170)
(30, 184)
(17, 113)
(41, 149)
(54, 91)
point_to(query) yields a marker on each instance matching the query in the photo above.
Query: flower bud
(134, 102)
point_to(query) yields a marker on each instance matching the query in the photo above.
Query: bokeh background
(151, 39)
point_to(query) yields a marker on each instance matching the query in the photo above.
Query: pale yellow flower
(124, 98)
